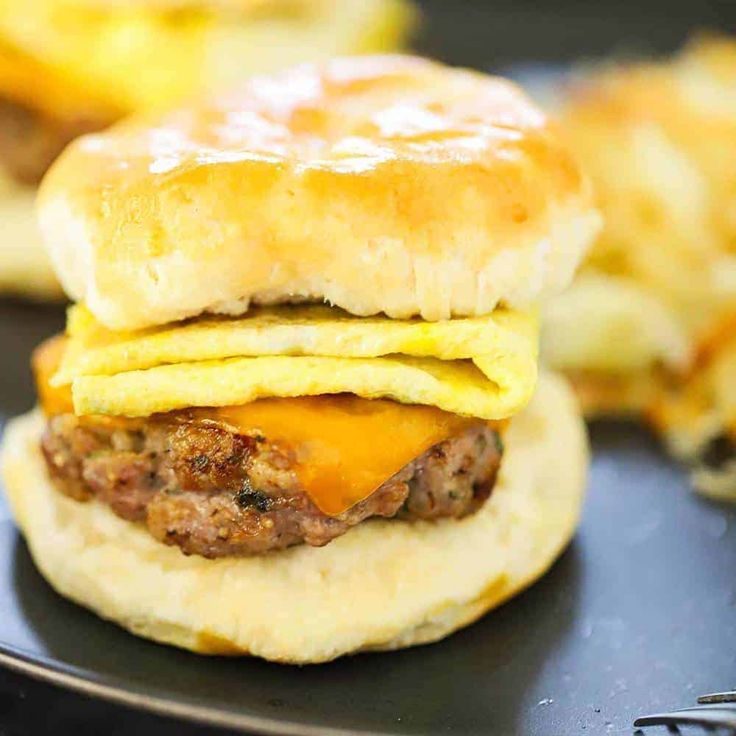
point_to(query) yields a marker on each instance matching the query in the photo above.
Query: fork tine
(705, 715)
(729, 697)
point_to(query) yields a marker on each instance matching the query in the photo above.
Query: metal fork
(717, 710)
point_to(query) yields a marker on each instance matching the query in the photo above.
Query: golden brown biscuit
(378, 184)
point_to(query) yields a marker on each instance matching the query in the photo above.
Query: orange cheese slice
(346, 446)
(45, 362)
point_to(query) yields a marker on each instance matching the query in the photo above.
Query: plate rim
(86, 682)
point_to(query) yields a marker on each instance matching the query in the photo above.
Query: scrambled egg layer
(481, 367)
(137, 56)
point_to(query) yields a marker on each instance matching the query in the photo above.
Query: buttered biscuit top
(377, 184)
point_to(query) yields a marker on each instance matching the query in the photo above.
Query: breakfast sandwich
(295, 413)
(653, 307)
(69, 67)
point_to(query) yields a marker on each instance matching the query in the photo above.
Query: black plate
(638, 615)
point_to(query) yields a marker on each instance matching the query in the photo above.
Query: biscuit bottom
(384, 585)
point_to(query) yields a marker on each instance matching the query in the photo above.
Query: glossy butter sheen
(378, 184)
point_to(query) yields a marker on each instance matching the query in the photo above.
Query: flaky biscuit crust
(378, 184)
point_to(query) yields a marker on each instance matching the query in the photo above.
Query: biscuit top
(379, 184)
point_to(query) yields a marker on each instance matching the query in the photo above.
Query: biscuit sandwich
(295, 413)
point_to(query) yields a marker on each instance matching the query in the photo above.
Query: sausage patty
(30, 141)
(217, 493)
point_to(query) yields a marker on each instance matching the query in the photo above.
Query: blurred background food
(648, 327)
(539, 41)
(137, 54)
(69, 67)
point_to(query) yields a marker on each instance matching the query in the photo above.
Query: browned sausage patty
(30, 141)
(216, 493)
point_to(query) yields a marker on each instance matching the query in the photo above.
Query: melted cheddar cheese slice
(346, 447)
(476, 367)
